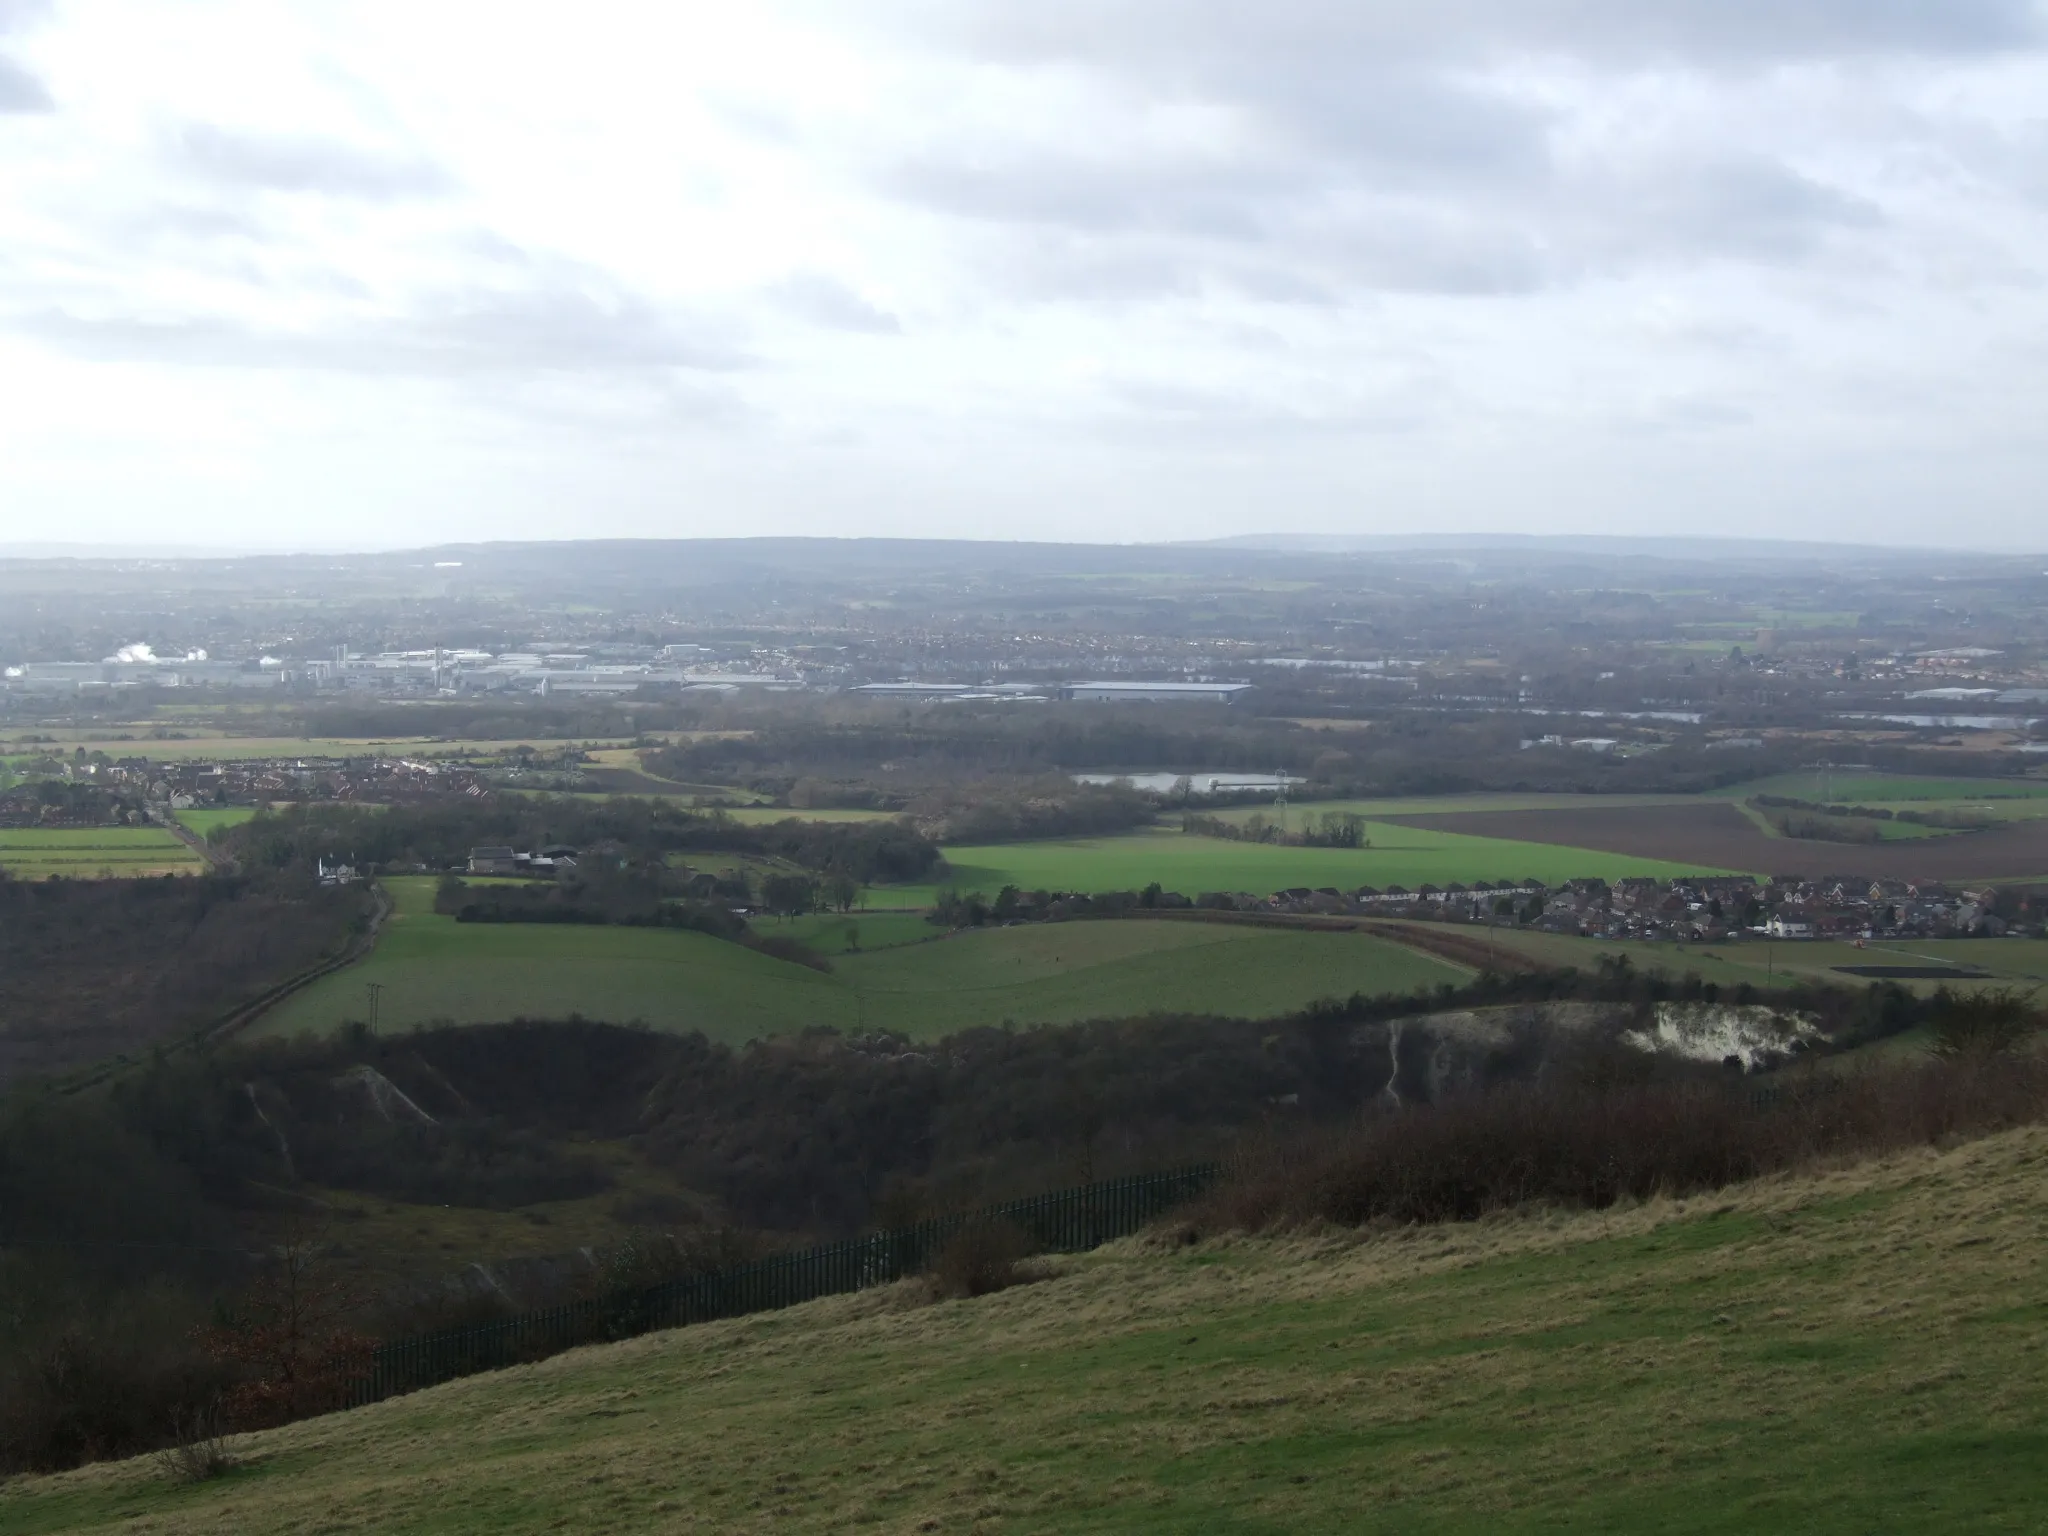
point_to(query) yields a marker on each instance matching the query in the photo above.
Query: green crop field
(2005, 962)
(1299, 811)
(1890, 789)
(1831, 1354)
(1056, 972)
(833, 933)
(431, 967)
(1408, 856)
(207, 820)
(755, 815)
(84, 853)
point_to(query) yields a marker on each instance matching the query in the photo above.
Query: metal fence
(1066, 1221)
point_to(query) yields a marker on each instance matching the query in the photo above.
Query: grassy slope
(1857, 1351)
(1399, 855)
(432, 967)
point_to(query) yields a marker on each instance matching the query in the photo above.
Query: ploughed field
(1853, 1351)
(87, 853)
(1700, 833)
(430, 967)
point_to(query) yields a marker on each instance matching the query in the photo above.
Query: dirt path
(217, 861)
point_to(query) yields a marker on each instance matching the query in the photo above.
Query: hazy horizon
(369, 278)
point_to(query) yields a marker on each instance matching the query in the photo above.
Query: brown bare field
(1714, 834)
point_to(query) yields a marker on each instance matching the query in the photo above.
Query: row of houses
(260, 781)
(1703, 909)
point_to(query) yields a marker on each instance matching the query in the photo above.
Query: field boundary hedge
(1063, 1221)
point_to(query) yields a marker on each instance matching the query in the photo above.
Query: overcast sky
(366, 274)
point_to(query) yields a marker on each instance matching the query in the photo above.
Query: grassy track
(1851, 1352)
(432, 967)
(84, 853)
(1409, 856)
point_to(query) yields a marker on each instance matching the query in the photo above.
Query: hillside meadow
(1852, 1351)
(430, 967)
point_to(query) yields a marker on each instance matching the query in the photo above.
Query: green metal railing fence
(1066, 1221)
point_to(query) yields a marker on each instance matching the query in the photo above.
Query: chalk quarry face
(1710, 1032)
(1429, 1057)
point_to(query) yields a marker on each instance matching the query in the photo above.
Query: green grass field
(1408, 856)
(2006, 962)
(85, 853)
(1891, 789)
(1835, 1354)
(1436, 805)
(431, 967)
(832, 933)
(207, 820)
(757, 815)
(1056, 972)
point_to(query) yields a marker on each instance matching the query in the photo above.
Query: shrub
(982, 1258)
(1587, 1146)
(1989, 1023)
(198, 1451)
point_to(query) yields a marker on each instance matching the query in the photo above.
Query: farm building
(1155, 693)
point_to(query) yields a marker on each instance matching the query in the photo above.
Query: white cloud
(1121, 268)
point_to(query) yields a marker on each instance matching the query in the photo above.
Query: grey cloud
(295, 163)
(21, 91)
(1092, 194)
(1744, 207)
(1189, 419)
(554, 330)
(1170, 38)
(827, 302)
(1435, 250)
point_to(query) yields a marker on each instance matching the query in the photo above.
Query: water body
(1208, 782)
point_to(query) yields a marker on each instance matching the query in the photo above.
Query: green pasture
(760, 815)
(1408, 856)
(34, 853)
(1833, 1354)
(1302, 811)
(1052, 973)
(1900, 791)
(433, 968)
(1762, 962)
(207, 820)
(834, 933)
